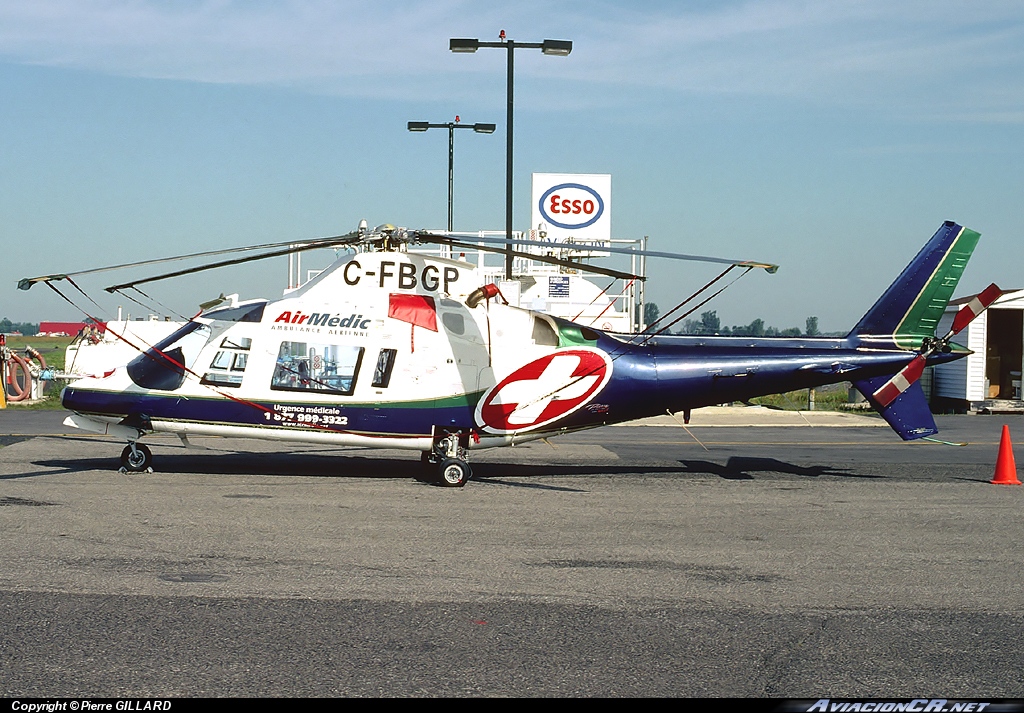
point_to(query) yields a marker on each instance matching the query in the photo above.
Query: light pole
(451, 126)
(559, 48)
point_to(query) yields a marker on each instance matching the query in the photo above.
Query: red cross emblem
(544, 391)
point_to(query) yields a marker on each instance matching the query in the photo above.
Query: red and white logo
(544, 391)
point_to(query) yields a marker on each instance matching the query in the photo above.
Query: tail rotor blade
(906, 376)
(903, 380)
(975, 307)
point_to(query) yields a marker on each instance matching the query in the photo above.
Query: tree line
(7, 327)
(710, 324)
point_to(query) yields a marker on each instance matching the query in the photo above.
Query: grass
(52, 348)
(833, 397)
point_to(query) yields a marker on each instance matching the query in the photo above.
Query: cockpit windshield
(163, 366)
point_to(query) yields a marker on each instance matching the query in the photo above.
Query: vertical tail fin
(905, 316)
(911, 308)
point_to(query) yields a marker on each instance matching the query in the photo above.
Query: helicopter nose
(79, 397)
(70, 397)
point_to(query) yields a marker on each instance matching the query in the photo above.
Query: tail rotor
(909, 374)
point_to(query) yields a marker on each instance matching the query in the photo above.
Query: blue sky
(831, 138)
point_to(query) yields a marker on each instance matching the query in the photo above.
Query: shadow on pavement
(740, 468)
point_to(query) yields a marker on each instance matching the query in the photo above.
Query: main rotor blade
(770, 267)
(442, 240)
(27, 282)
(298, 248)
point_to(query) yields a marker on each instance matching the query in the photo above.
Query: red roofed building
(68, 328)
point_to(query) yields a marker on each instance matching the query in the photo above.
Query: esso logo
(544, 391)
(571, 206)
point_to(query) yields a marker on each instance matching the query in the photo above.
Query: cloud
(857, 52)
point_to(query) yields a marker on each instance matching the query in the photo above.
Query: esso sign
(571, 206)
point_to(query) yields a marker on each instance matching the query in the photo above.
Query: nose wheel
(136, 458)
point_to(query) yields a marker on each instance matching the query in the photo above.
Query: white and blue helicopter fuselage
(410, 351)
(381, 349)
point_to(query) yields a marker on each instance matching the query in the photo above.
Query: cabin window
(543, 333)
(454, 322)
(385, 364)
(316, 367)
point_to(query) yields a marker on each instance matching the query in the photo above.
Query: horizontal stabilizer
(908, 413)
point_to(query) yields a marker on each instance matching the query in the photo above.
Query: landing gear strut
(449, 457)
(136, 458)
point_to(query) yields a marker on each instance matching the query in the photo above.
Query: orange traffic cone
(1006, 467)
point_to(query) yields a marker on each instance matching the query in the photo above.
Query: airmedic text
(317, 319)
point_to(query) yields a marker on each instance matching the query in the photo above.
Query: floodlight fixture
(418, 126)
(557, 48)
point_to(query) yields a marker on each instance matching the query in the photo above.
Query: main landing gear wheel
(454, 473)
(136, 458)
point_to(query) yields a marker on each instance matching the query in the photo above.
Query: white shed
(990, 378)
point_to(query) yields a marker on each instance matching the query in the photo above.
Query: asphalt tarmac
(771, 561)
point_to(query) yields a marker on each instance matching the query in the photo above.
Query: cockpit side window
(229, 362)
(244, 343)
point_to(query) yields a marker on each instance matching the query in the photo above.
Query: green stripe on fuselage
(571, 334)
(923, 316)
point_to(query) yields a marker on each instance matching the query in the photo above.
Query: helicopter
(388, 348)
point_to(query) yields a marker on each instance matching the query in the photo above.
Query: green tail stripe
(923, 317)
